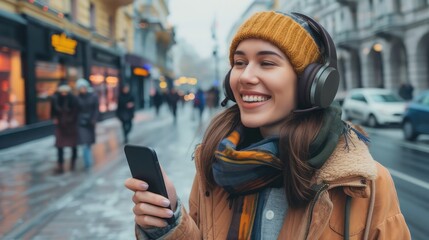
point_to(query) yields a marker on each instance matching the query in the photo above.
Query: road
(408, 164)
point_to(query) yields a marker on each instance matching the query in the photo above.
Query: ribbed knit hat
(64, 88)
(290, 34)
(81, 82)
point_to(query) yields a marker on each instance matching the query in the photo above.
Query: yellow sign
(140, 72)
(63, 44)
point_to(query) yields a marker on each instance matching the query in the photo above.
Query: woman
(125, 111)
(64, 114)
(279, 164)
(87, 119)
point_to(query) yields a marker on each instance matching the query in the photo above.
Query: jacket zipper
(313, 202)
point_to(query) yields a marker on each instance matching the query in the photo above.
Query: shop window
(105, 84)
(12, 99)
(48, 77)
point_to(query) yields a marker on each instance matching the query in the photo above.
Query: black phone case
(144, 165)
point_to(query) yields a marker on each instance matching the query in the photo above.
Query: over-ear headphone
(318, 83)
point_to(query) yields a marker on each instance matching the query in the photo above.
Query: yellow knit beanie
(284, 31)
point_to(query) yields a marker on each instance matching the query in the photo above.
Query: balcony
(118, 3)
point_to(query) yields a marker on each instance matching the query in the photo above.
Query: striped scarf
(243, 173)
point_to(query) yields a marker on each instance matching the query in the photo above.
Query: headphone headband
(330, 54)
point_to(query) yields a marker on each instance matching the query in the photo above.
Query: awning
(136, 60)
(13, 17)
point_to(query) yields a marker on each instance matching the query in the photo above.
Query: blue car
(416, 117)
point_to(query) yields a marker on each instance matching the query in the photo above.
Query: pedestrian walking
(406, 91)
(199, 103)
(157, 101)
(212, 99)
(173, 97)
(87, 119)
(280, 163)
(125, 110)
(64, 113)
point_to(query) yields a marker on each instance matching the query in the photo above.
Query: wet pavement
(91, 204)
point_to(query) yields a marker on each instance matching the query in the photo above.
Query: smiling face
(264, 85)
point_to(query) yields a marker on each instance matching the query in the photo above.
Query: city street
(36, 204)
(408, 164)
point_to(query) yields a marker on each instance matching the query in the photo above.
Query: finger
(152, 210)
(146, 221)
(135, 184)
(151, 198)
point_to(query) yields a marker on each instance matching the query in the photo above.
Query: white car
(373, 106)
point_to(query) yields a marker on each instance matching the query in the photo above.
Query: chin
(251, 121)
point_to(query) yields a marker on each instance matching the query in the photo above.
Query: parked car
(373, 106)
(416, 117)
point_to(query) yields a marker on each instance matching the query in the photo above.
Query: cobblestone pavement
(36, 204)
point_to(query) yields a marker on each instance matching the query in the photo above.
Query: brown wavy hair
(296, 134)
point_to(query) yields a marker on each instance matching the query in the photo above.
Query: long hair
(219, 127)
(296, 134)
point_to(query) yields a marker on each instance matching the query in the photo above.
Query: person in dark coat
(125, 110)
(157, 101)
(87, 119)
(200, 103)
(173, 97)
(64, 113)
(406, 91)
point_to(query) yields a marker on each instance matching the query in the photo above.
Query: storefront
(138, 74)
(12, 87)
(33, 61)
(105, 75)
(63, 61)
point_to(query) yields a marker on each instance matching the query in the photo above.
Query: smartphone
(144, 165)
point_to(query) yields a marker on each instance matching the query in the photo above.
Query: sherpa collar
(351, 158)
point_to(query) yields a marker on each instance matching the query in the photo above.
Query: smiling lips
(254, 98)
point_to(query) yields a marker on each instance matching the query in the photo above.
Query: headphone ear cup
(317, 86)
(325, 86)
(227, 87)
(304, 85)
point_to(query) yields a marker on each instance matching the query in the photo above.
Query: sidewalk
(36, 204)
(28, 184)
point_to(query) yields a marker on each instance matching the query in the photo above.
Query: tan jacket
(375, 212)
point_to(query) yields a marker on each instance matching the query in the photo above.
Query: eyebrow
(260, 53)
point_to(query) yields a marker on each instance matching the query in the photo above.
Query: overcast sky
(193, 19)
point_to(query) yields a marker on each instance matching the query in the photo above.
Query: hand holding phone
(144, 165)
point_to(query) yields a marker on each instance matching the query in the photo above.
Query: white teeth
(253, 98)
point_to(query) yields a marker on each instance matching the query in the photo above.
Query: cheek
(233, 83)
(287, 94)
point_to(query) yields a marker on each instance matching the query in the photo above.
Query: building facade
(380, 43)
(45, 42)
(153, 41)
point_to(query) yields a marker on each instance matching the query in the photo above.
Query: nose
(249, 75)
